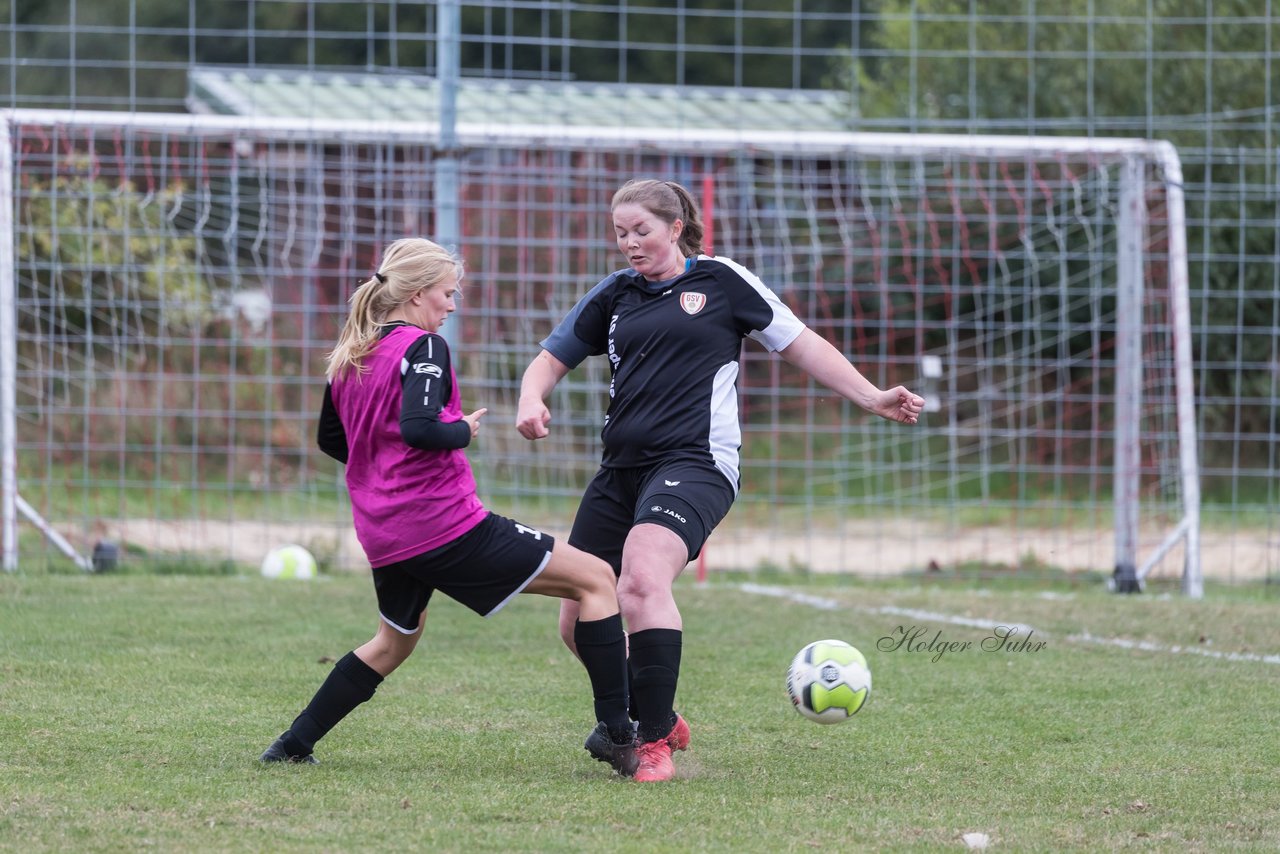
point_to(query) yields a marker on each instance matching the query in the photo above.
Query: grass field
(133, 707)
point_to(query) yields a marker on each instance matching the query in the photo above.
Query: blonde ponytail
(408, 265)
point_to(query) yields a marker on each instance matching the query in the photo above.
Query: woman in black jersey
(671, 325)
(392, 414)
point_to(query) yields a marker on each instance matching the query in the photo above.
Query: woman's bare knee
(581, 578)
(389, 648)
(652, 559)
(598, 596)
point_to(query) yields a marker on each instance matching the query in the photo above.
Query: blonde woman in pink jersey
(392, 413)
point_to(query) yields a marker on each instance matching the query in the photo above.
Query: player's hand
(532, 419)
(474, 421)
(898, 404)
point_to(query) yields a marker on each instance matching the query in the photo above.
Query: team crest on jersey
(692, 302)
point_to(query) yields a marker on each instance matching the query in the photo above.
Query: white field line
(1146, 646)
(825, 604)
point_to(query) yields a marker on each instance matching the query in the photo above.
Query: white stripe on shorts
(401, 629)
(496, 608)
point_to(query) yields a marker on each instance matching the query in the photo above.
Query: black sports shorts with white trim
(688, 496)
(483, 569)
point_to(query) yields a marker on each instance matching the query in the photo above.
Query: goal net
(172, 283)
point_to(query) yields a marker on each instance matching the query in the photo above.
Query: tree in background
(87, 285)
(1133, 67)
(132, 54)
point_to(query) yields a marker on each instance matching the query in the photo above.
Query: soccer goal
(169, 286)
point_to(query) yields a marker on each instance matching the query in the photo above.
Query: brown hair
(668, 201)
(408, 265)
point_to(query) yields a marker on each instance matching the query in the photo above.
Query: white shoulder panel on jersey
(785, 328)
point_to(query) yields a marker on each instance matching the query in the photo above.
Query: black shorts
(688, 496)
(482, 569)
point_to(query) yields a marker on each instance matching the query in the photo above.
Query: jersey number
(525, 529)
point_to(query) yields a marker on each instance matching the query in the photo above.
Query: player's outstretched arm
(818, 358)
(532, 415)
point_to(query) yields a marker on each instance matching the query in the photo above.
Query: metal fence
(1202, 80)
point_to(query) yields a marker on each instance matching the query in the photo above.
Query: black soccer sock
(631, 680)
(350, 683)
(655, 669)
(602, 646)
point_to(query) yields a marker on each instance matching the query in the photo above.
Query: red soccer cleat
(655, 762)
(678, 738)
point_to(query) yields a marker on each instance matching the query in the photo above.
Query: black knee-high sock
(655, 670)
(349, 684)
(631, 680)
(602, 646)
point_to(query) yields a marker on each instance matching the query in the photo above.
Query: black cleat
(625, 760)
(621, 757)
(277, 753)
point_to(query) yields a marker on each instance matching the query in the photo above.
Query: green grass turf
(133, 708)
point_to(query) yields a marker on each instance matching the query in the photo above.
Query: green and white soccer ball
(290, 561)
(829, 681)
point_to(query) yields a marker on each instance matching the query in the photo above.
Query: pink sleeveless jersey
(405, 501)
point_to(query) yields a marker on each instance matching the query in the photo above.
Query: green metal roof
(395, 97)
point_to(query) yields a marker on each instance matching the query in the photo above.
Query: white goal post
(1035, 287)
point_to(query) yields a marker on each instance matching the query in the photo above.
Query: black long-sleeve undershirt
(330, 434)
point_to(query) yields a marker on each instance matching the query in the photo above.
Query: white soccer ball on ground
(291, 561)
(829, 681)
